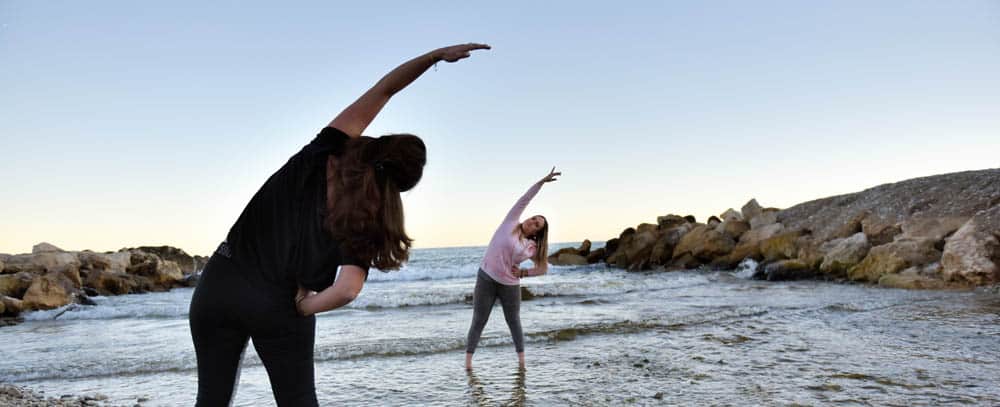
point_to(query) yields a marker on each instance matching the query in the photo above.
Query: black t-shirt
(280, 234)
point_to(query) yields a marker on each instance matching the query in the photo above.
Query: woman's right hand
(457, 52)
(551, 177)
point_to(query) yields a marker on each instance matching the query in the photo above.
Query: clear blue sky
(130, 123)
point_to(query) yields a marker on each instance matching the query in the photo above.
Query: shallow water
(595, 336)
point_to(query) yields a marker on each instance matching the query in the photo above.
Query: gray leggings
(485, 295)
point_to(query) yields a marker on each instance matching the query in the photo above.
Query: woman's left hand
(551, 177)
(301, 295)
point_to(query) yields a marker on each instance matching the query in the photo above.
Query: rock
(15, 285)
(936, 229)
(646, 227)
(186, 263)
(733, 228)
(915, 278)
(12, 306)
(839, 255)
(685, 261)
(809, 252)
(640, 247)
(167, 274)
(110, 282)
(582, 251)
(704, 244)
(911, 282)
(568, 259)
(713, 221)
(663, 249)
(1, 266)
(780, 247)
(609, 247)
(669, 221)
(750, 210)
(731, 215)
(48, 291)
(972, 254)
(44, 248)
(785, 270)
(596, 255)
(764, 218)
(892, 258)
(748, 246)
(690, 219)
(880, 234)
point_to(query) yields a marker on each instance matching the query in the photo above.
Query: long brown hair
(541, 239)
(366, 213)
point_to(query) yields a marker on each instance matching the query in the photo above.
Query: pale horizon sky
(136, 123)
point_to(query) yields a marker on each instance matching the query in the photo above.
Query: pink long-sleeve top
(507, 249)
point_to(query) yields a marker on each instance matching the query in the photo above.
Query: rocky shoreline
(936, 232)
(50, 277)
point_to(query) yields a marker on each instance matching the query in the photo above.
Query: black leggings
(483, 297)
(227, 309)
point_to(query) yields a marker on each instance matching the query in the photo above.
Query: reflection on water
(480, 396)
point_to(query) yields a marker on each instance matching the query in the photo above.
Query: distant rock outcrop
(50, 277)
(941, 231)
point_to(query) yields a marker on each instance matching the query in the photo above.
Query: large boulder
(972, 254)
(915, 278)
(1, 266)
(581, 251)
(731, 215)
(12, 306)
(107, 282)
(748, 246)
(669, 221)
(784, 270)
(161, 274)
(48, 291)
(15, 285)
(936, 229)
(704, 243)
(185, 261)
(766, 217)
(839, 255)
(596, 255)
(750, 210)
(894, 257)
(733, 228)
(44, 247)
(781, 246)
(640, 247)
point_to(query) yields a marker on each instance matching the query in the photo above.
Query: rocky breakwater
(50, 277)
(941, 231)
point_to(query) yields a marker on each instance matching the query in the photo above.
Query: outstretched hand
(456, 52)
(551, 177)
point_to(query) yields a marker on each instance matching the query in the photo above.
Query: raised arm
(356, 117)
(522, 203)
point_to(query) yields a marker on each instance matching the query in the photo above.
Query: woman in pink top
(500, 272)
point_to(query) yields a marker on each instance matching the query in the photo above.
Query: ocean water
(595, 336)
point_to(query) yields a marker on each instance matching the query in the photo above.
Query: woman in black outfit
(333, 204)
